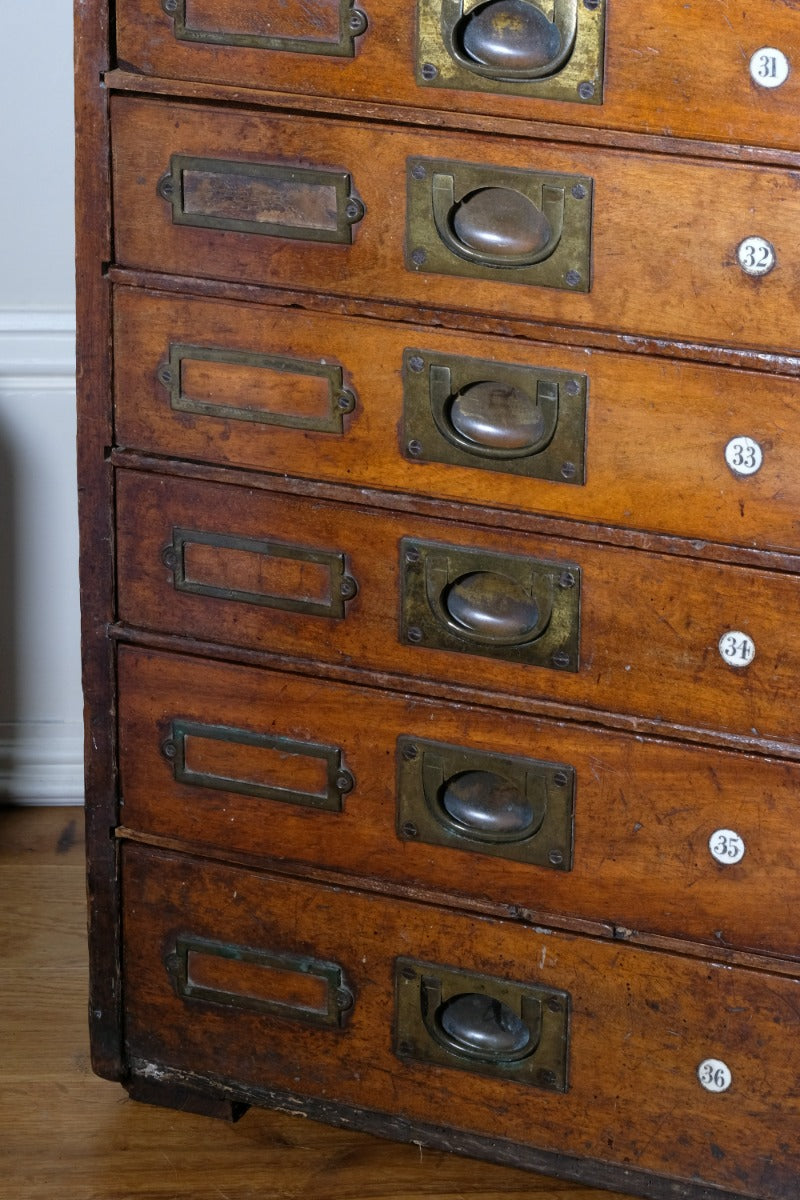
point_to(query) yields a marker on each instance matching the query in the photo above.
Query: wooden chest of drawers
(439, 466)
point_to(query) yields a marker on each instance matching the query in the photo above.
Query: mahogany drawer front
(656, 241)
(276, 984)
(615, 629)
(251, 388)
(659, 74)
(668, 839)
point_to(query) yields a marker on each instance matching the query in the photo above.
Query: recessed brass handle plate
(247, 364)
(503, 606)
(349, 21)
(499, 223)
(494, 416)
(548, 51)
(277, 758)
(291, 986)
(486, 803)
(480, 1023)
(264, 198)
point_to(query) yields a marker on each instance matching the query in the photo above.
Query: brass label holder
(338, 997)
(317, 205)
(340, 399)
(337, 784)
(342, 587)
(433, 384)
(351, 23)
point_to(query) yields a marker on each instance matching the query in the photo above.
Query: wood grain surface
(655, 435)
(69, 1134)
(660, 76)
(663, 264)
(650, 624)
(645, 808)
(640, 1025)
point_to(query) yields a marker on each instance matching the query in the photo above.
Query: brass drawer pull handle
(543, 49)
(262, 198)
(253, 571)
(490, 608)
(350, 23)
(481, 1027)
(486, 415)
(513, 40)
(492, 419)
(214, 756)
(498, 226)
(240, 977)
(501, 605)
(485, 802)
(483, 1024)
(486, 807)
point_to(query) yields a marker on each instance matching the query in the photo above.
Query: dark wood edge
(514, 520)
(756, 960)
(95, 509)
(513, 127)
(575, 337)
(184, 1099)
(480, 698)
(453, 1141)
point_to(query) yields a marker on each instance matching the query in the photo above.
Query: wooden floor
(65, 1134)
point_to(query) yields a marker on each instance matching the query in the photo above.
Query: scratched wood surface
(663, 53)
(70, 1134)
(653, 271)
(637, 477)
(650, 625)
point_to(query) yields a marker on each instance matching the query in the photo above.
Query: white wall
(40, 700)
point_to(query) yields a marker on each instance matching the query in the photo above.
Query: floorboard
(69, 1135)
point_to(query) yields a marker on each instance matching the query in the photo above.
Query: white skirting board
(41, 747)
(41, 764)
